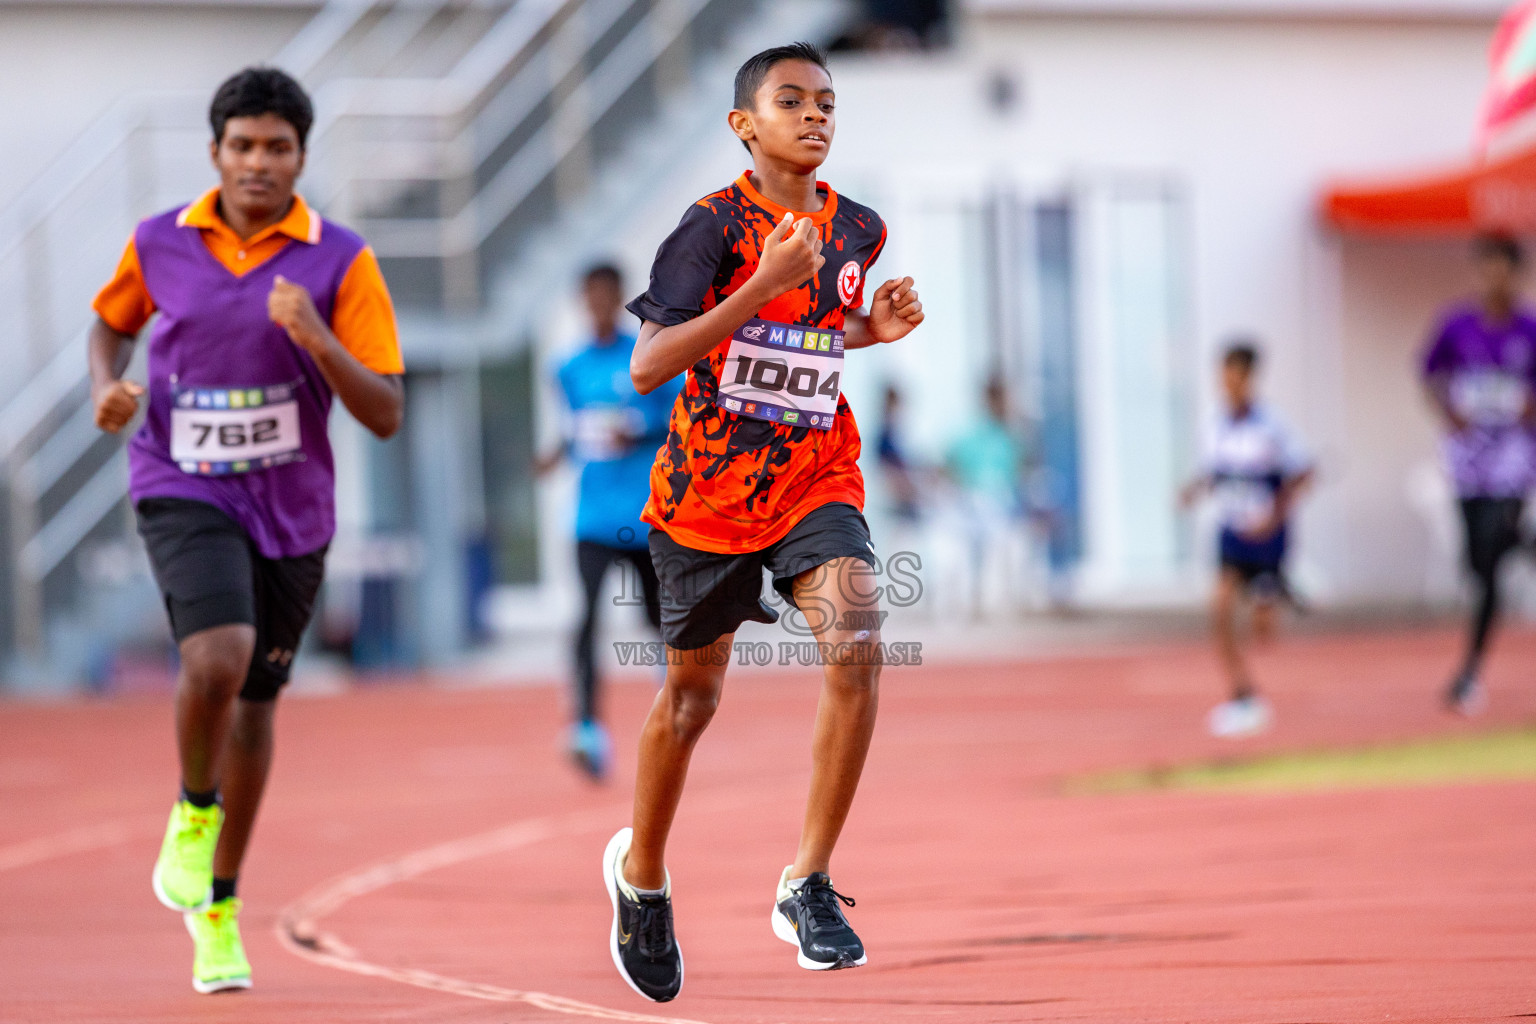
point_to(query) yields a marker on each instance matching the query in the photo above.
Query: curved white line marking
(92, 837)
(298, 925)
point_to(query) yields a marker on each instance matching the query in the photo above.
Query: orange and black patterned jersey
(725, 482)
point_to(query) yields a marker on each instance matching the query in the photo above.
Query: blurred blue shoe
(592, 749)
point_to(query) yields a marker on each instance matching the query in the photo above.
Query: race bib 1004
(215, 431)
(783, 374)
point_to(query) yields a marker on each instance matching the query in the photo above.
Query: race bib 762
(215, 431)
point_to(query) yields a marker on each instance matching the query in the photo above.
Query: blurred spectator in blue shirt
(613, 436)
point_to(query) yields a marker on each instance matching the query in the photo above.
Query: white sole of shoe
(208, 988)
(166, 901)
(1239, 734)
(616, 846)
(786, 931)
(1254, 723)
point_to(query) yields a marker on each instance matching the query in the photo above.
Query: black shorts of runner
(1262, 580)
(1258, 564)
(706, 595)
(1492, 530)
(211, 574)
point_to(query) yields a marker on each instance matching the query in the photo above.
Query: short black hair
(1242, 353)
(256, 91)
(603, 272)
(749, 77)
(1499, 246)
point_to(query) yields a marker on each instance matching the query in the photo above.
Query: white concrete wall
(1401, 535)
(63, 64)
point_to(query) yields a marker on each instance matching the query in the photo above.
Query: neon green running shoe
(218, 963)
(183, 877)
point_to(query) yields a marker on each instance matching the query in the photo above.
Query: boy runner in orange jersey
(757, 294)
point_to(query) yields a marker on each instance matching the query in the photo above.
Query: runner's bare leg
(679, 716)
(841, 605)
(247, 761)
(214, 663)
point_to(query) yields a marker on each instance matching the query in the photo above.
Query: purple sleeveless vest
(213, 347)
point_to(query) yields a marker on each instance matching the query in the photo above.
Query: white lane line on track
(79, 840)
(298, 925)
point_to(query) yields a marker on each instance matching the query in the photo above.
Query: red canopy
(1493, 195)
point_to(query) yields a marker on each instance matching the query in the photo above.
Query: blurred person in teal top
(613, 436)
(986, 462)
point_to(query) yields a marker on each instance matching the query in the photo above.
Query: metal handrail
(81, 158)
(65, 529)
(56, 456)
(465, 230)
(641, 47)
(311, 45)
(514, 33)
(42, 394)
(459, 96)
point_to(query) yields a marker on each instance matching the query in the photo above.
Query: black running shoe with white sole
(643, 943)
(809, 917)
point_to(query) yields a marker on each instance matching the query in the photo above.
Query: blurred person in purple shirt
(1480, 371)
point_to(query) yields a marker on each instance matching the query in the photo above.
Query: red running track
(438, 861)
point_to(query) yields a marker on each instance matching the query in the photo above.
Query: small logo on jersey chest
(848, 282)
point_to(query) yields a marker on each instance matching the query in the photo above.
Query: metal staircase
(483, 147)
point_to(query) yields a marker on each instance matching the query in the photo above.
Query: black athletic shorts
(211, 574)
(1259, 564)
(1263, 580)
(1492, 531)
(705, 595)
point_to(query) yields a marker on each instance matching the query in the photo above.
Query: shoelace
(223, 931)
(194, 825)
(227, 936)
(653, 932)
(821, 903)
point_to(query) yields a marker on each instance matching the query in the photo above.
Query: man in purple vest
(1480, 370)
(265, 312)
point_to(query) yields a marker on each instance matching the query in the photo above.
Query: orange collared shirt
(363, 318)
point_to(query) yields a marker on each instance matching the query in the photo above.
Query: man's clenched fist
(116, 404)
(291, 308)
